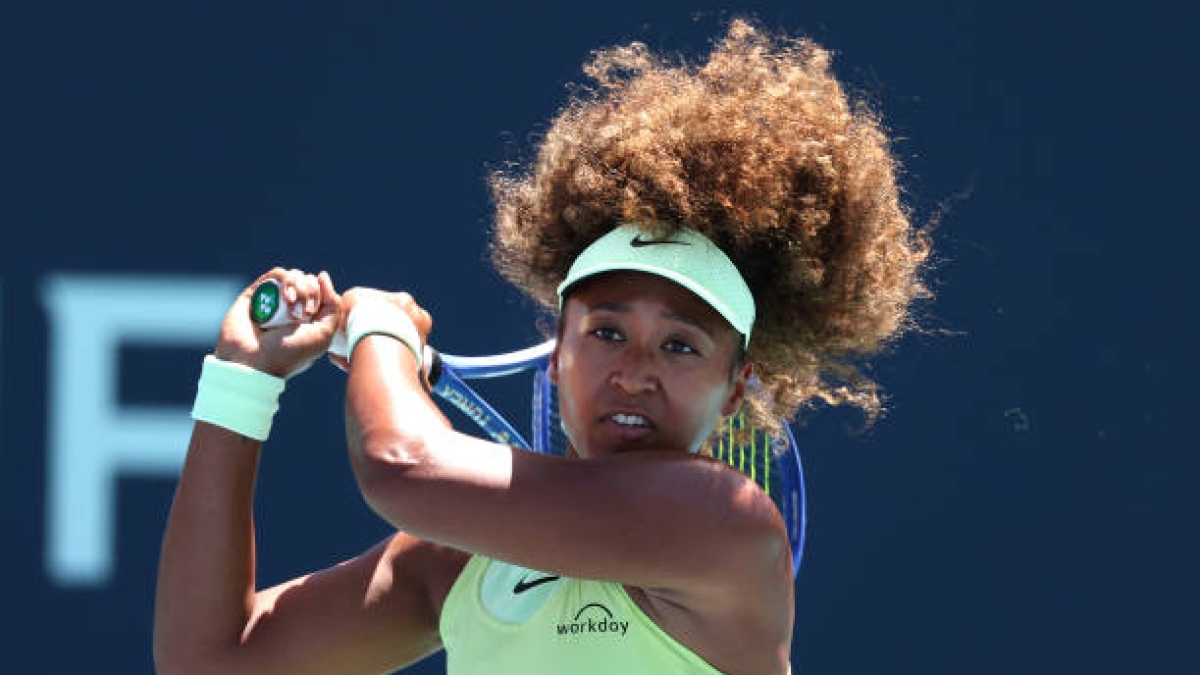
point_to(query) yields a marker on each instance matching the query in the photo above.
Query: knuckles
(400, 299)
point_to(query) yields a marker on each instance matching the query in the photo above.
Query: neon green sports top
(502, 619)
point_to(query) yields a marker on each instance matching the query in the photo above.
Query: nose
(635, 372)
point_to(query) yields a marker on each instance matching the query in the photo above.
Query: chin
(613, 449)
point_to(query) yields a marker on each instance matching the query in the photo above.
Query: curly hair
(760, 149)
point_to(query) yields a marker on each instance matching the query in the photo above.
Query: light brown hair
(759, 148)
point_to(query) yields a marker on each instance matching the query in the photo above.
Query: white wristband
(236, 397)
(376, 317)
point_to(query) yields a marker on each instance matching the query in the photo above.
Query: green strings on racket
(738, 453)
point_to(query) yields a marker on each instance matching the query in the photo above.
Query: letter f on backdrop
(92, 439)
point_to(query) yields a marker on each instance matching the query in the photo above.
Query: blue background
(1027, 506)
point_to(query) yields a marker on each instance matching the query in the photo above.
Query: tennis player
(712, 238)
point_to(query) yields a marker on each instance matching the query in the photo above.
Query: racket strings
(749, 450)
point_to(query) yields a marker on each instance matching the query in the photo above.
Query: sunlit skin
(643, 364)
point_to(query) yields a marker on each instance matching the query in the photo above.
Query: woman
(694, 227)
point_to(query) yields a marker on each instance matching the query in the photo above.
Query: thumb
(331, 317)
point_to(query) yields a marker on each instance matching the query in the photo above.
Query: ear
(552, 365)
(737, 394)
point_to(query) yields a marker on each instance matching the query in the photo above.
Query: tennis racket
(772, 462)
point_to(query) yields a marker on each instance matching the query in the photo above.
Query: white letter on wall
(92, 439)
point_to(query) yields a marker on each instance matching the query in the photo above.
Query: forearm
(206, 603)
(206, 578)
(388, 411)
(390, 419)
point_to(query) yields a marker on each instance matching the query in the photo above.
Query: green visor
(686, 257)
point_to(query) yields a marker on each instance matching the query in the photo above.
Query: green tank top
(501, 619)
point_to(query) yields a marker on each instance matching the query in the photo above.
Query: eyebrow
(622, 308)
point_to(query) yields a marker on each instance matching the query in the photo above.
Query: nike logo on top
(525, 584)
(638, 242)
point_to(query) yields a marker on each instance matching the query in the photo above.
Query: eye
(679, 347)
(608, 334)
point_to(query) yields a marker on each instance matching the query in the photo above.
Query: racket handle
(269, 309)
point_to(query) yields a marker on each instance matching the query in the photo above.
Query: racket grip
(269, 309)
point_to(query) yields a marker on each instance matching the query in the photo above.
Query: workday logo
(593, 618)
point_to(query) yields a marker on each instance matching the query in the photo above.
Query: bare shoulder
(738, 616)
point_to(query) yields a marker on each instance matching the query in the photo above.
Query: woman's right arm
(369, 614)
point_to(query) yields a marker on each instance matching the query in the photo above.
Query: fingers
(313, 299)
(302, 293)
(401, 300)
(330, 309)
(423, 321)
(328, 292)
(417, 313)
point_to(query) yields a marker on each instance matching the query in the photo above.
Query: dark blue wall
(1028, 505)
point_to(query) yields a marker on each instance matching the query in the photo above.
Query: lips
(629, 419)
(627, 425)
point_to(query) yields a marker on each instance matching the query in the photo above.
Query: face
(643, 364)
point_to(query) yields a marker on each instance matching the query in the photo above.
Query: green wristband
(236, 397)
(374, 317)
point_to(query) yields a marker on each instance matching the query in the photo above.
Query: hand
(401, 301)
(286, 350)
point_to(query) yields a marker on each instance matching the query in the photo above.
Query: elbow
(390, 452)
(377, 453)
(387, 469)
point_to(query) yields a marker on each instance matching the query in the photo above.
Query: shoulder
(747, 547)
(753, 531)
(741, 609)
